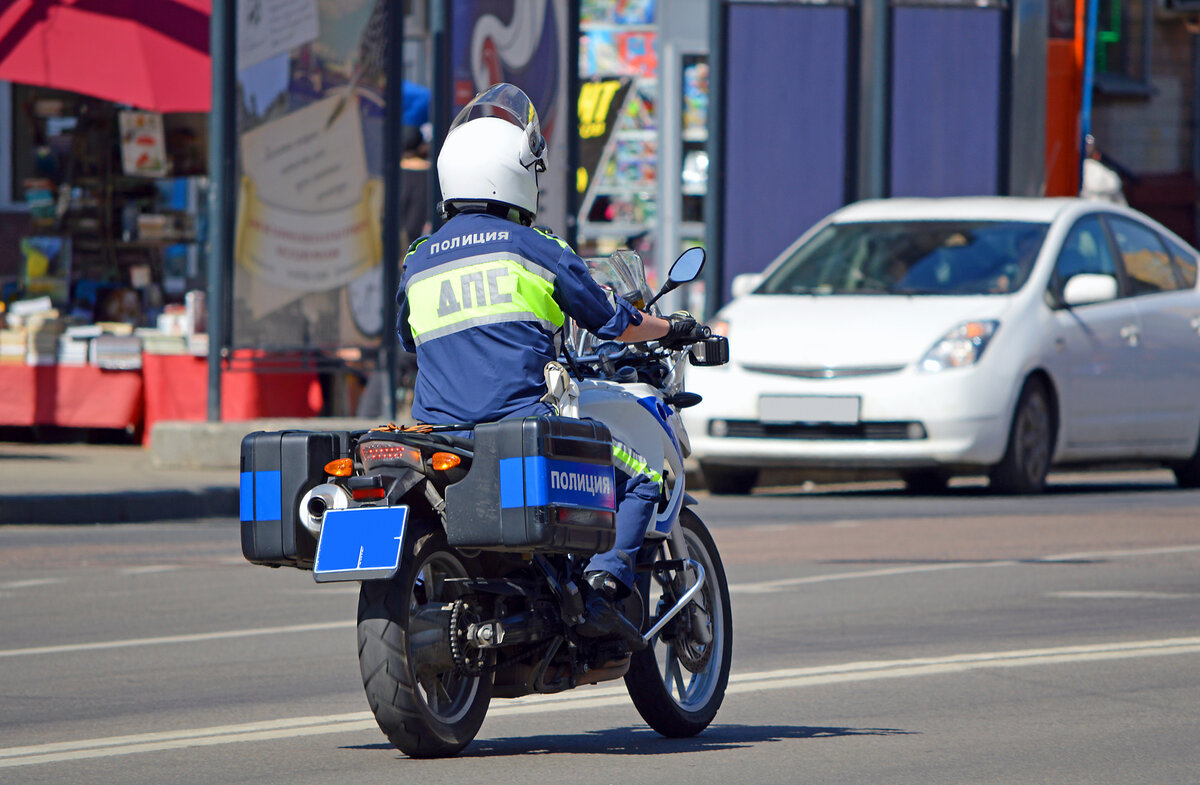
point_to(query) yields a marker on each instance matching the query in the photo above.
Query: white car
(944, 336)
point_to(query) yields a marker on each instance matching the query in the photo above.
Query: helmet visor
(509, 103)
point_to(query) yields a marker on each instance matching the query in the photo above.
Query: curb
(121, 506)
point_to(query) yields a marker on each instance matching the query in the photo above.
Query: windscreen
(624, 273)
(911, 257)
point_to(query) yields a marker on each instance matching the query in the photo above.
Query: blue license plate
(360, 544)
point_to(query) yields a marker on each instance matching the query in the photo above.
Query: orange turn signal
(442, 461)
(341, 467)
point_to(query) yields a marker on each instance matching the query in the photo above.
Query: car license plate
(360, 544)
(840, 409)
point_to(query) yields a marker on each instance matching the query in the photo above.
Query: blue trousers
(637, 498)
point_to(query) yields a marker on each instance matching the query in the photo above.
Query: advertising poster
(143, 144)
(46, 267)
(308, 267)
(524, 43)
(600, 103)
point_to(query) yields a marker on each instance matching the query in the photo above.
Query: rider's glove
(685, 331)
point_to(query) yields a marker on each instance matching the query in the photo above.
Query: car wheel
(729, 482)
(1187, 473)
(1026, 460)
(926, 481)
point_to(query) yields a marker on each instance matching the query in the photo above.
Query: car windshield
(911, 257)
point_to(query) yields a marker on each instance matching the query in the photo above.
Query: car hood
(847, 331)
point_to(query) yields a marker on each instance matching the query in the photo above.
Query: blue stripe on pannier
(537, 488)
(512, 483)
(268, 505)
(246, 496)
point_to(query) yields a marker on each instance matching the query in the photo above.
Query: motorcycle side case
(537, 484)
(277, 468)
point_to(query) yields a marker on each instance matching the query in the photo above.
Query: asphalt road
(879, 638)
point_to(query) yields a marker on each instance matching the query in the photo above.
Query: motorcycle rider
(482, 302)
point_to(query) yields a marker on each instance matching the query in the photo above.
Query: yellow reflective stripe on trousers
(633, 464)
(442, 302)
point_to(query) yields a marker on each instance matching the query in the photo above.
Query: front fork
(687, 581)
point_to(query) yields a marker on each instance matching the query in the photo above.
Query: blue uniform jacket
(480, 303)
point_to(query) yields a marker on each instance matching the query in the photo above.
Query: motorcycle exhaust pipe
(318, 501)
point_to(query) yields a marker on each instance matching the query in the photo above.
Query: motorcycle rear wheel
(424, 708)
(677, 683)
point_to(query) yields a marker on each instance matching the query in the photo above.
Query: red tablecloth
(169, 387)
(177, 389)
(70, 396)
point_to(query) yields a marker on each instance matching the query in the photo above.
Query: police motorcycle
(471, 551)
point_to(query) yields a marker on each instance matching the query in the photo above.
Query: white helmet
(493, 153)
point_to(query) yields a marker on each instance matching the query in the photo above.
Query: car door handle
(1196, 323)
(1130, 334)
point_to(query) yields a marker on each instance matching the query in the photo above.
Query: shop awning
(152, 54)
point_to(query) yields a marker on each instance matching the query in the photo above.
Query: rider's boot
(601, 619)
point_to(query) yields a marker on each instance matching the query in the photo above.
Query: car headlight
(961, 347)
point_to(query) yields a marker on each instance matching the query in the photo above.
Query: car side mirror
(745, 283)
(1088, 288)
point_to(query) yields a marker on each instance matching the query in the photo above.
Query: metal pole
(441, 101)
(871, 181)
(1089, 71)
(572, 120)
(393, 119)
(221, 133)
(714, 208)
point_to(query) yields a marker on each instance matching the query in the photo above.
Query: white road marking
(767, 587)
(29, 584)
(148, 569)
(189, 638)
(1094, 555)
(588, 698)
(783, 584)
(1123, 595)
(324, 589)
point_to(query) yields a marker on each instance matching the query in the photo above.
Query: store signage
(600, 105)
(308, 212)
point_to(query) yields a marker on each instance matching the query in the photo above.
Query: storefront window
(618, 58)
(114, 202)
(1123, 46)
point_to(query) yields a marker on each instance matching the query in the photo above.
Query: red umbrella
(152, 54)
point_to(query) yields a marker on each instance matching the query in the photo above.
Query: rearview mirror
(687, 267)
(685, 270)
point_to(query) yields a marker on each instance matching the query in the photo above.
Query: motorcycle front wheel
(677, 683)
(424, 704)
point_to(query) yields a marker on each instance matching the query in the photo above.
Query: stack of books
(41, 344)
(197, 344)
(158, 342)
(72, 350)
(120, 352)
(12, 345)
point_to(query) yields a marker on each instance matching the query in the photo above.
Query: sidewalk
(189, 471)
(89, 483)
